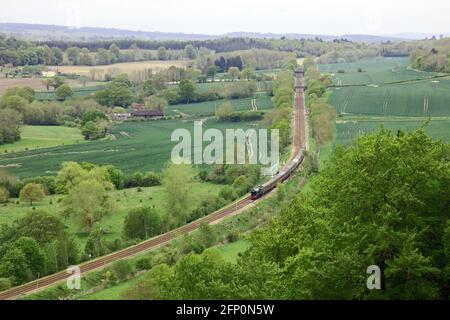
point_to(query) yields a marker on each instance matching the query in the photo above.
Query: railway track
(299, 142)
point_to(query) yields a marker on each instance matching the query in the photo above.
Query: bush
(48, 182)
(242, 185)
(228, 193)
(143, 263)
(208, 206)
(5, 284)
(151, 179)
(142, 223)
(4, 195)
(232, 236)
(203, 175)
(122, 269)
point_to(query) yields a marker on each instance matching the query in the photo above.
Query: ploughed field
(132, 146)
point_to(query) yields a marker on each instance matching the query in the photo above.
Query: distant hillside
(38, 32)
(351, 37)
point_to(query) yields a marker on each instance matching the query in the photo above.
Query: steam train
(280, 177)
(287, 171)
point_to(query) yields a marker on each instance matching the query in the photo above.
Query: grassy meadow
(374, 71)
(124, 201)
(35, 137)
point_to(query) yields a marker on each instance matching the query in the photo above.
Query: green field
(424, 98)
(349, 129)
(136, 146)
(223, 85)
(77, 93)
(34, 137)
(231, 251)
(388, 87)
(374, 100)
(263, 102)
(374, 71)
(124, 201)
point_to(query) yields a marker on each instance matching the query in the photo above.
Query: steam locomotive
(280, 177)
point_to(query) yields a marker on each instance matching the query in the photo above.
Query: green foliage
(87, 203)
(5, 284)
(41, 226)
(186, 90)
(64, 92)
(10, 121)
(32, 192)
(116, 176)
(4, 195)
(224, 111)
(25, 92)
(177, 181)
(142, 223)
(95, 245)
(90, 131)
(122, 269)
(392, 215)
(116, 93)
(13, 265)
(228, 193)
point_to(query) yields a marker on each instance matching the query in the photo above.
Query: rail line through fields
(299, 142)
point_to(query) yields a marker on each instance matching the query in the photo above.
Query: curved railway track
(299, 142)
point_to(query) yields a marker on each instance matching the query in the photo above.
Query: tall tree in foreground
(177, 182)
(382, 202)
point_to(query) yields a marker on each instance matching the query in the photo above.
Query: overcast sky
(335, 17)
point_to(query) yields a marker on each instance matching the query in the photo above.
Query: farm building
(147, 114)
(121, 116)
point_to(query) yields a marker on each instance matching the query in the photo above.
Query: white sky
(335, 17)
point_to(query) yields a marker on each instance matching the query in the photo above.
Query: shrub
(143, 263)
(4, 195)
(122, 269)
(151, 179)
(5, 284)
(203, 175)
(228, 193)
(142, 223)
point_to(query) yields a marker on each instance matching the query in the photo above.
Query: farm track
(299, 142)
